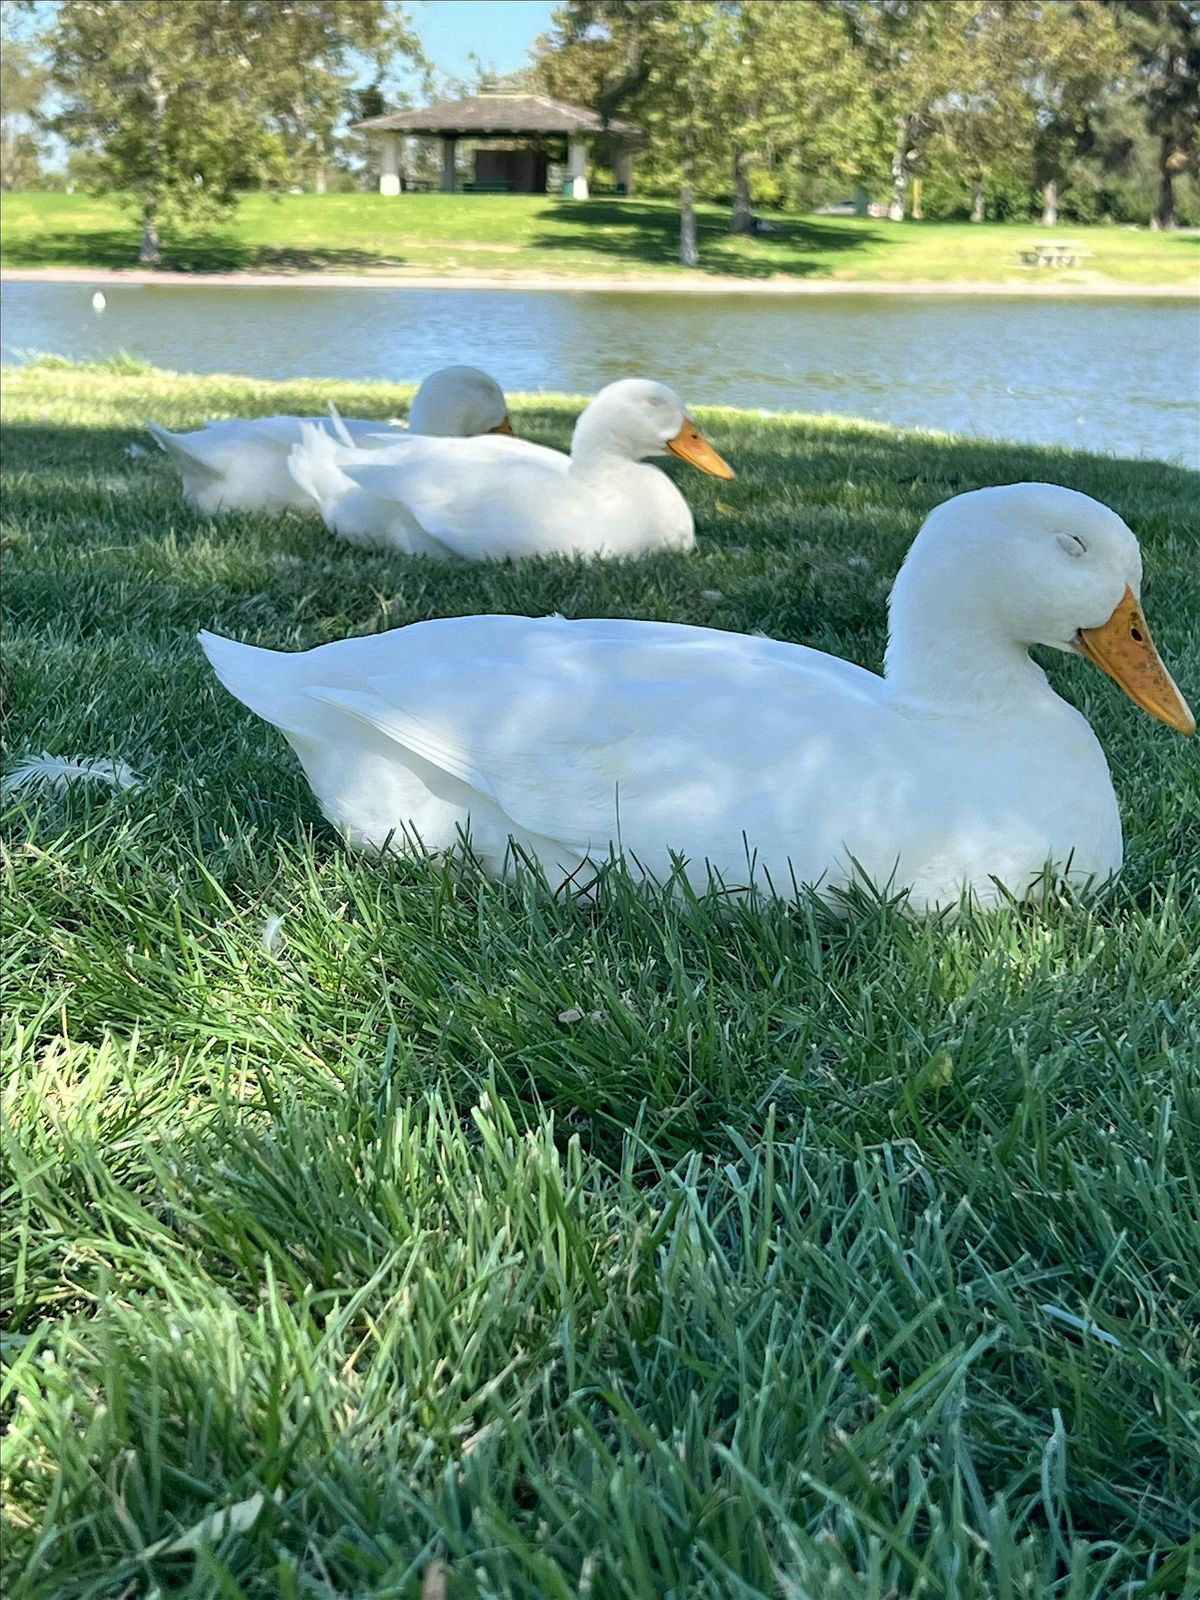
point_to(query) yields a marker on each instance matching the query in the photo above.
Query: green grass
(510, 235)
(804, 1259)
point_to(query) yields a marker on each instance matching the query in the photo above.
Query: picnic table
(1053, 253)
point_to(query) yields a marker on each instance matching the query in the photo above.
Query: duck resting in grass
(487, 500)
(960, 770)
(242, 464)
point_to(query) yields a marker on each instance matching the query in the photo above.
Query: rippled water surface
(1121, 376)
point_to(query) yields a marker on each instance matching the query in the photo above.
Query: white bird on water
(98, 301)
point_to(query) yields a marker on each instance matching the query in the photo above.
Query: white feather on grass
(60, 772)
(272, 935)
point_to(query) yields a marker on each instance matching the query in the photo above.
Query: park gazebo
(527, 130)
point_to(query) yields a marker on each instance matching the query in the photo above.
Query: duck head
(636, 418)
(459, 402)
(1034, 563)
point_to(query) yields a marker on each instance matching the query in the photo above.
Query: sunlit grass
(653, 1248)
(509, 235)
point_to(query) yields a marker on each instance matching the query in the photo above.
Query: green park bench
(470, 187)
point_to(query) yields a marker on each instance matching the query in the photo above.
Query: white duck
(480, 500)
(242, 464)
(959, 769)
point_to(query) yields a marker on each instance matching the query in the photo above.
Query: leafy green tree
(22, 94)
(678, 47)
(983, 127)
(166, 98)
(1165, 38)
(182, 105)
(724, 91)
(597, 53)
(650, 62)
(979, 94)
(916, 57)
(785, 92)
(311, 51)
(1077, 54)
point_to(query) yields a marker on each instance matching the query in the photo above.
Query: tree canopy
(182, 105)
(1165, 38)
(22, 91)
(763, 100)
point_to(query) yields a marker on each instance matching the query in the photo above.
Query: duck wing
(585, 733)
(481, 498)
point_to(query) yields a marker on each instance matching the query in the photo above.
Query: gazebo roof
(480, 114)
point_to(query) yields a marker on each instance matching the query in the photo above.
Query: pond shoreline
(644, 283)
(1021, 367)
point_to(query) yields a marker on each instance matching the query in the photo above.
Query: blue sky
(499, 32)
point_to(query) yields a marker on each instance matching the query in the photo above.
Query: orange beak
(1123, 648)
(503, 427)
(689, 444)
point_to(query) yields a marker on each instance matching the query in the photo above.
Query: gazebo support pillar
(389, 164)
(577, 184)
(623, 168)
(449, 151)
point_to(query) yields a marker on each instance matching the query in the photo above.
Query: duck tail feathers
(339, 427)
(162, 437)
(313, 463)
(262, 679)
(187, 454)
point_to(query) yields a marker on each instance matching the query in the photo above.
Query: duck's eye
(1072, 544)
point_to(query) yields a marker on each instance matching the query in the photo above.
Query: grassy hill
(660, 1247)
(507, 235)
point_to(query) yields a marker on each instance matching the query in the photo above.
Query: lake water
(1120, 376)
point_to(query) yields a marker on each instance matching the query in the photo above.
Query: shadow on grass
(117, 248)
(636, 233)
(781, 563)
(649, 236)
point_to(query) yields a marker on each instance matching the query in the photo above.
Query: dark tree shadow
(117, 248)
(642, 234)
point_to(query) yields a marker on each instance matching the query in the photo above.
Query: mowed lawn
(446, 1239)
(510, 235)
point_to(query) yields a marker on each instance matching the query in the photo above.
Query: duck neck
(596, 451)
(598, 465)
(955, 660)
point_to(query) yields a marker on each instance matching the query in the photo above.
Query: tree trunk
(1050, 203)
(898, 206)
(978, 202)
(742, 220)
(149, 254)
(1168, 164)
(299, 163)
(689, 255)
